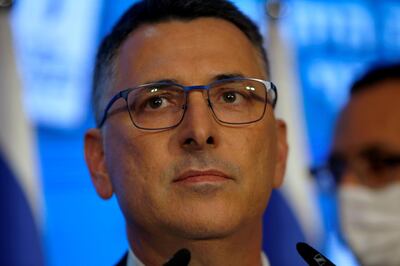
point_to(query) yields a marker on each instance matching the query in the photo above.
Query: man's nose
(198, 129)
(349, 177)
(354, 173)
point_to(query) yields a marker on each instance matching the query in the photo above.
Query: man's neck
(242, 248)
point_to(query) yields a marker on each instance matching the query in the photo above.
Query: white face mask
(370, 221)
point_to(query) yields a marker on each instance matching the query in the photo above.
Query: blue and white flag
(293, 214)
(20, 204)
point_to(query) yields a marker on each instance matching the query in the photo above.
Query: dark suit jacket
(123, 260)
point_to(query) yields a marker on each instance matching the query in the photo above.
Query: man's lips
(196, 176)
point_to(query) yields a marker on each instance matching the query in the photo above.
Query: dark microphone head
(181, 258)
(312, 256)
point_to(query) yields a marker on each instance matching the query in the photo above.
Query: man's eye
(231, 97)
(155, 102)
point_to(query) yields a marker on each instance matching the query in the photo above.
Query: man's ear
(95, 160)
(282, 153)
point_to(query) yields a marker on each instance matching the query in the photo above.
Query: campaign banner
(56, 43)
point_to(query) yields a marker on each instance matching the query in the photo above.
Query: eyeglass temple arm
(121, 94)
(274, 98)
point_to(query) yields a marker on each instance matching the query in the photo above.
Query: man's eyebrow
(161, 81)
(377, 149)
(215, 78)
(227, 76)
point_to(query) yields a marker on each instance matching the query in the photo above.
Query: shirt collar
(134, 261)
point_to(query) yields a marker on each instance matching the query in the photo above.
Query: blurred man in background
(365, 160)
(187, 138)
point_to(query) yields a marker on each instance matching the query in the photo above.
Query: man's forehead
(199, 28)
(171, 25)
(207, 46)
(380, 100)
(371, 116)
(150, 31)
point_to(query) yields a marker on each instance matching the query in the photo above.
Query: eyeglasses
(162, 105)
(372, 166)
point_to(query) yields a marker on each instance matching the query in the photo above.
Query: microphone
(180, 258)
(312, 256)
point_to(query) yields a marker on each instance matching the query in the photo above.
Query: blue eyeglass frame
(268, 85)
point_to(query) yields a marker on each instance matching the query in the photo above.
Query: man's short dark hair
(376, 74)
(157, 11)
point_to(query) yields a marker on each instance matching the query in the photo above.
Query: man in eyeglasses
(186, 136)
(365, 161)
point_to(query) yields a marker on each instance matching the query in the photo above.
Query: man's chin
(205, 232)
(207, 225)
